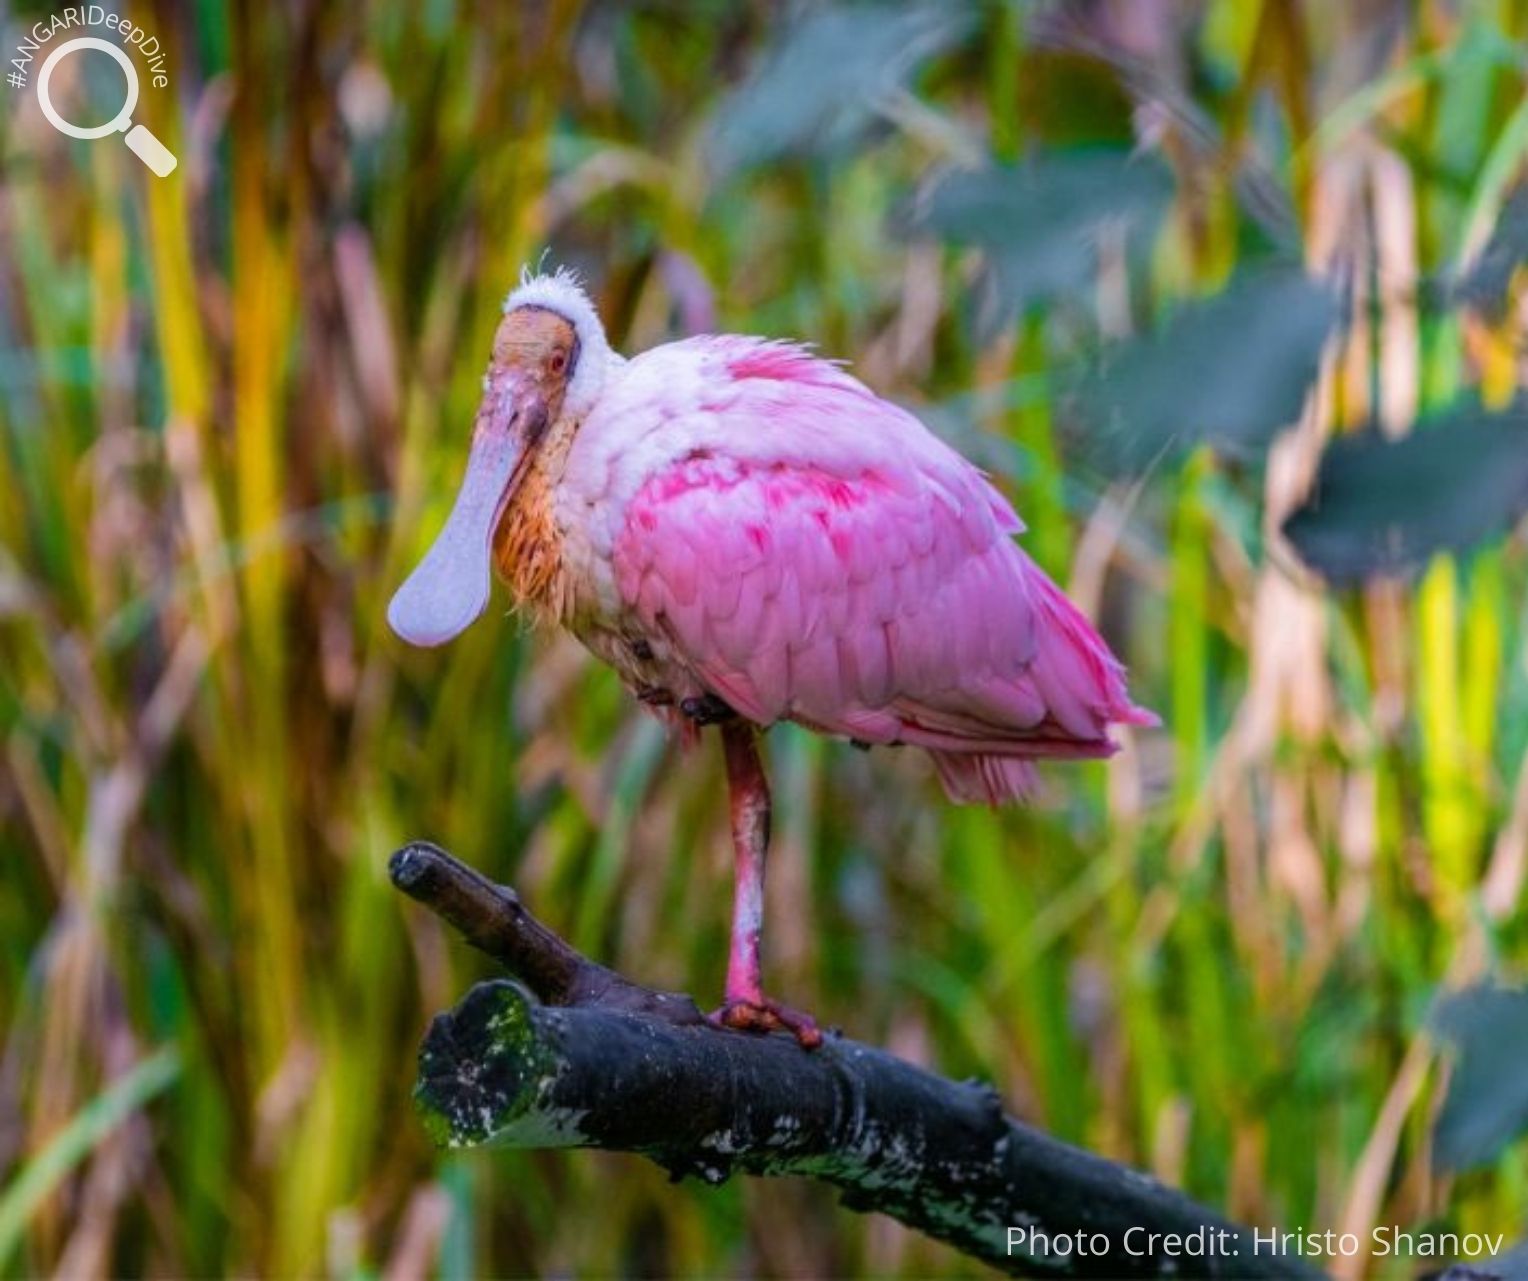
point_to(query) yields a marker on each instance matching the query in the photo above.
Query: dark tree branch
(586, 1058)
(492, 918)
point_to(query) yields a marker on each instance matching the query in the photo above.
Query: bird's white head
(549, 364)
(561, 294)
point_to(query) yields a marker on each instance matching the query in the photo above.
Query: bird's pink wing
(875, 593)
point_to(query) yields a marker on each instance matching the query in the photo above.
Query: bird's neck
(527, 548)
(528, 544)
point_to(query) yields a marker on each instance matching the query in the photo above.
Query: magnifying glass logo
(139, 140)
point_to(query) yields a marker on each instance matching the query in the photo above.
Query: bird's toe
(766, 1015)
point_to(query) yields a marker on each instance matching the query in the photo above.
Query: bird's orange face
(534, 354)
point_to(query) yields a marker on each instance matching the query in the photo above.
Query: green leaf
(1039, 222)
(72, 1144)
(1230, 371)
(819, 86)
(1380, 506)
(1484, 285)
(1487, 1103)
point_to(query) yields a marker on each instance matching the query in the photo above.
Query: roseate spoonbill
(748, 534)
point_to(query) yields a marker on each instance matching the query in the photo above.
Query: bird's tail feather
(972, 778)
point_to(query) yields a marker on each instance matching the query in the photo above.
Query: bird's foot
(766, 1015)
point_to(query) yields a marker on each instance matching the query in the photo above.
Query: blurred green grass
(233, 405)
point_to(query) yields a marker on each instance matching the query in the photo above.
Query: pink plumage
(748, 534)
(815, 555)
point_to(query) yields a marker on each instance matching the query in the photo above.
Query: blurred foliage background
(1226, 295)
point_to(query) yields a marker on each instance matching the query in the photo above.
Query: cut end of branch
(409, 866)
(480, 1066)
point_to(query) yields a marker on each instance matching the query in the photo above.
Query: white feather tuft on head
(562, 292)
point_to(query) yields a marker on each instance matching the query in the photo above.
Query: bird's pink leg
(745, 1006)
(748, 794)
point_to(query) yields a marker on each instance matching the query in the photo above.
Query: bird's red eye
(559, 361)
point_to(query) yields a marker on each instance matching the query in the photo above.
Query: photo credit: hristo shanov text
(1383, 1241)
